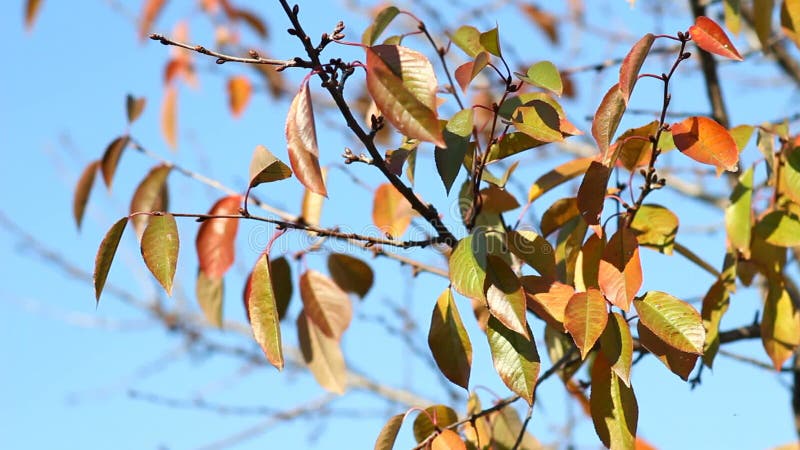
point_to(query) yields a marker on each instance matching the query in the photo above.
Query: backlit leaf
(263, 312)
(432, 418)
(497, 200)
(134, 107)
(311, 205)
(780, 228)
(209, 292)
(738, 215)
(374, 31)
(160, 248)
(539, 120)
(467, 72)
(715, 304)
(391, 211)
(239, 92)
(790, 20)
(350, 273)
(504, 295)
(558, 214)
(656, 227)
(790, 175)
(674, 321)
(449, 342)
(111, 156)
(169, 116)
(477, 432)
(150, 11)
(388, 433)
(616, 344)
(733, 15)
(587, 265)
(281, 275)
(780, 325)
(533, 249)
(266, 167)
(490, 40)
(150, 196)
(629, 69)
(82, 190)
(105, 255)
(711, 38)
(592, 192)
(31, 12)
(547, 298)
(678, 362)
(510, 144)
(325, 303)
(403, 85)
(545, 75)
(301, 138)
(762, 13)
(558, 176)
(322, 354)
(569, 242)
(456, 134)
(448, 440)
(620, 270)
(468, 266)
(585, 319)
(515, 358)
(559, 345)
(216, 238)
(615, 412)
(468, 38)
(633, 147)
(607, 117)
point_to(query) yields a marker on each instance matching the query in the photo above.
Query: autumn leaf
(160, 249)
(707, 142)
(504, 295)
(322, 354)
(678, 362)
(391, 211)
(82, 190)
(559, 214)
(403, 85)
(779, 228)
(216, 238)
(432, 419)
(467, 72)
(388, 433)
(150, 196)
(674, 321)
(379, 24)
(150, 11)
(780, 325)
(607, 117)
(585, 319)
(350, 273)
(790, 20)
(448, 440)
(239, 92)
(301, 138)
(31, 12)
(449, 342)
(169, 116)
(620, 271)
(557, 176)
(616, 343)
(111, 156)
(656, 227)
(710, 37)
(547, 298)
(266, 167)
(533, 249)
(325, 303)
(134, 107)
(105, 255)
(515, 358)
(629, 69)
(614, 409)
(209, 292)
(592, 192)
(262, 311)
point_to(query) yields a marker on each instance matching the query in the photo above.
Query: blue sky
(70, 367)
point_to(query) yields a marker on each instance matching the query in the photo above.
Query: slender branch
(223, 58)
(693, 257)
(521, 435)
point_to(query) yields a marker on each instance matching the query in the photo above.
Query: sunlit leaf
(448, 440)
(545, 75)
(515, 358)
(468, 38)
(620, 270)
(403, 85)
(762, 14)
(569, 241)
(111, 156)
(391, 211)
(510, 144)
(558, 176)
(350, 273)
(468, 266)
(615, 412)
(533, 249)
(150, 196)
(322, 354)
(105, 255)
(592, 192)
(263, 312)
(585, 319)
(150, 11)
(456, 134)
(629, 69)
(449, 342)
(169, 116)
(547, 298)
(382, 20)
(607, 117)
(82, 190)
(715, 304)
(490, 40)
(790, 175)
(160, 249)
(674, 321)
(325, 303)
(301, 138)
(780, 228)
(733, 15)
(388, 433)
(738, 215)
(266, 167)
(558, 214)
(780, 325)
(656, 227)
(678, 362)
(216, 238)
(467, 72)
(311, 205)
(504, 295)
(31, 12)
(239, 92)
(711, 38)
(539, 120)
(477, 432)
(616, 344)
(790, 20)
(209, 292)
(587, 265)
(134, 107)
(432, 418)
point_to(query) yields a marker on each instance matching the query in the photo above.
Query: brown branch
(709, 67)
(693, 257)
(223, 58)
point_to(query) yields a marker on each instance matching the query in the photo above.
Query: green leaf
(741, 134)
(111, 156)
(539, 120)
(209, 292)
(468, 266)
(105, 255)
(558, 176)
(629, 69)
(150, 196)
(504, 295)
(301, 141)
(382, 20)
(403, 85)
(544, 74)
(322, 354)
(468, 39)
(350, 273)
(616, 344)
(263, 312)
(678, 362)
(449, 342)
(534, 250)
(160, 248)
(325, 304)
(456, 134)
(738, 215)
(389, 432)
(615, 412)
(515, 358)
(490, 40)
(674, 321)
(511, 144)
(266, 167)
(585, 319)
(82, 190)
(607, 117)
(431, 418)
(790, 175)
(780, 228)
(655, 227)
(780, 325)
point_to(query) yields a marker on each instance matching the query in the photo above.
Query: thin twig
(223, 58)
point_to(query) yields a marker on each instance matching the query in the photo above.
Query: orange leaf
(111, 156)
(150, 11)
(448, 440)
(707, 142)
(620, 271)
(301, 137)
(547, 298)
(169, 115)
(31, 11)
(585, 318)
(239, 91)
(710, 37)
(607, 117)
(391, 212)
(215, 239)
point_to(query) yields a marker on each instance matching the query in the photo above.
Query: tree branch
(223, 58)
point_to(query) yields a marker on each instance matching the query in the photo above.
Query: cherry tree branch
(223, 58)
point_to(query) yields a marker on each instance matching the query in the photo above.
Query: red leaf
(710, 37)
(707, 142)
(592, 192)
(620, 272)
(215, 239)
(629, 70)
(607, 117)
(301, 137)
